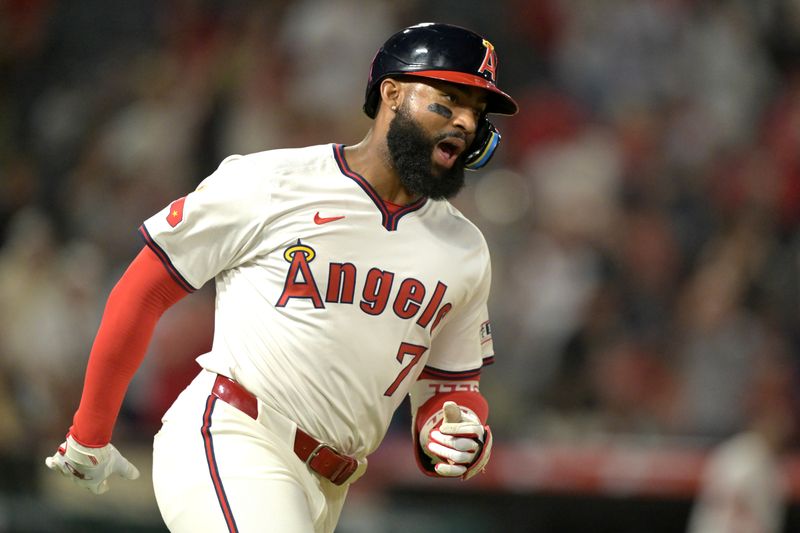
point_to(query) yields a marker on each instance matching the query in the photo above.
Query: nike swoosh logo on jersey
(324, 220)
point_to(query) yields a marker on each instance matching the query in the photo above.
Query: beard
(411, 153)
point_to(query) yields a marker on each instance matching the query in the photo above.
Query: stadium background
(642, 211)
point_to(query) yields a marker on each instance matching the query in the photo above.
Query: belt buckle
(346, 469)
(316, 451)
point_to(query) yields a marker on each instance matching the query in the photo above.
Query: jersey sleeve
(463, 343)
(213, 228)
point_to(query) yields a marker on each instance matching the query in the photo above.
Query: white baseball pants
(215, 469)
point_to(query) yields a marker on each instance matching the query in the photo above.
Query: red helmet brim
(499, 102)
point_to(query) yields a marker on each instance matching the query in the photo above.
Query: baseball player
(344, 281)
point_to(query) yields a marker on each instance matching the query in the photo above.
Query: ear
(391, 91)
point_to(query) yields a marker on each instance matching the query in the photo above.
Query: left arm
(451, 436)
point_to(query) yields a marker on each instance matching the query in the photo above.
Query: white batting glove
(90, 468)
(460, 446)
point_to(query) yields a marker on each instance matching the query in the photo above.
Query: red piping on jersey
(390, 218)
(213, 470)
(430, 372)
(434, 373)
(165, 260)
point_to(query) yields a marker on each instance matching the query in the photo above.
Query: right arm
(188, 242)
(134, 306)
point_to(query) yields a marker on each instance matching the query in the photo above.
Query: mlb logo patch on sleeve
(175, 214)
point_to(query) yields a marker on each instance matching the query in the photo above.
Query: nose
(465, 119)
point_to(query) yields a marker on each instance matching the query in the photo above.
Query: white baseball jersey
(328, 306)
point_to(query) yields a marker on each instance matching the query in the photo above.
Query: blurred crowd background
(643, 210)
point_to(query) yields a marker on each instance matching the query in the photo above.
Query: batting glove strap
(88, 467)
(479, 463)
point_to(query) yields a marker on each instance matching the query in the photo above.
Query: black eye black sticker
(439, 109)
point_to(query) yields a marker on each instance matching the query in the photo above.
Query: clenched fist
(459, 445)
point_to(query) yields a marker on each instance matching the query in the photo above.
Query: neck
(370, 158)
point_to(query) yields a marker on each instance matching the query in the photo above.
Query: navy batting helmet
(448, 53)
(442, 52)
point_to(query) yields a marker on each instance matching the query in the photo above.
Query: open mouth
(448, 150)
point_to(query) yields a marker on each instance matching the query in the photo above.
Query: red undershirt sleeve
(134, 306)
(472, 400)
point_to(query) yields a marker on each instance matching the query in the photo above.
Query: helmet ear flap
(482, 148)
(371, 103)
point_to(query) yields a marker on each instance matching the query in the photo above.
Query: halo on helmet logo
(489, 64)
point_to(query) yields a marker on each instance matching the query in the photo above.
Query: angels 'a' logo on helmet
(489, 64)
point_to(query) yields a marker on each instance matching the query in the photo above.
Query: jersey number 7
(406, 348)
